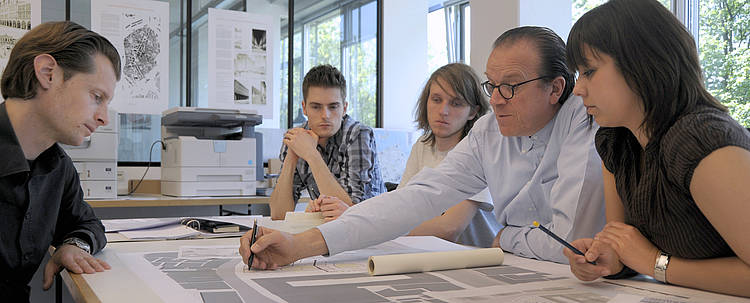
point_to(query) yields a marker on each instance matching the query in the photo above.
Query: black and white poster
(139, 30)
(240, 61)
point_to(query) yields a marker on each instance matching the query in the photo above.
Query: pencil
(563, 242)
(252, 241)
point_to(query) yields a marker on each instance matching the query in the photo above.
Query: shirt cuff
(335, 235)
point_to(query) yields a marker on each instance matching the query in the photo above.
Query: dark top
(40, 205)
(352, 158)
(656, 193)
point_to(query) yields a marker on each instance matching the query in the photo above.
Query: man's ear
(346, 104)
(304, 108)
(44, 67)
(558, 86)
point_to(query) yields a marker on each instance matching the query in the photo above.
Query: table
(517, 277)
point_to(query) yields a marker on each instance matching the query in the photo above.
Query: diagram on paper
(228, 280)
(142, 49)
(249, 65)
(139, 31)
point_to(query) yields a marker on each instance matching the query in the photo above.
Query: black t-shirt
(654, 184)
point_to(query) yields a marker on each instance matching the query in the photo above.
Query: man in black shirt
(58, 82)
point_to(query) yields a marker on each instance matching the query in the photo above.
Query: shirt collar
(13, 160)
(539, 139)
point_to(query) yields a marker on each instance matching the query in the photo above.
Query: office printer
(96, 160)
(210, 152)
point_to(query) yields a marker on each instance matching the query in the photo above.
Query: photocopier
(210, 152)
(96, 160)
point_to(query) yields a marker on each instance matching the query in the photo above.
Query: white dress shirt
(483, 226)
(553, 177)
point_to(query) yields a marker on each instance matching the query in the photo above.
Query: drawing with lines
(142, 50)
(139, 30)
(223, 278)
(216, 274)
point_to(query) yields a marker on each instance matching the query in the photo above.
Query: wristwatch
(78, 243)
(660, 268)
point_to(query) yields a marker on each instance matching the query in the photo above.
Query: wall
(490, 18)
(404, 60)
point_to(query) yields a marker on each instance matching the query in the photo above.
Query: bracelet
(660, 267)
(625, 272)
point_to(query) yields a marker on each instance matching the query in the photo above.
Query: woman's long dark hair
(652, 50)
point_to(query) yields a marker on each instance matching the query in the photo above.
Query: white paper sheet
(241, 52)
(343, 278)
(115, 225)
(294, 222)
(139, 29)
(169, 232)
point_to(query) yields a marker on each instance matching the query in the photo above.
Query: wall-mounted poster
(240, 61)
(140, 31)
(16, 18)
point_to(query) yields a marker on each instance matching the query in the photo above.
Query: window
(448, 28)
(580, 7)
(339, 33)
(724, 44)
(437, 47)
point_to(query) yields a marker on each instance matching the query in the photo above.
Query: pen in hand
(563, 242)
(252, 241)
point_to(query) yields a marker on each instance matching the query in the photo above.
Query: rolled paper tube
(432, 261)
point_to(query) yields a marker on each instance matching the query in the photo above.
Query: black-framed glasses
(507, 91)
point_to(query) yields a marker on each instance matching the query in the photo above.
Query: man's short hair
(73, 47)
(551, 50)
(326, 76)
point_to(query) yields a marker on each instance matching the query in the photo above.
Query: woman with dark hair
(450, 102)
(676, 165)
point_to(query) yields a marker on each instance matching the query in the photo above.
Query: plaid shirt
(351, 156)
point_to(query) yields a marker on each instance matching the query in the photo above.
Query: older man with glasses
(536, 154)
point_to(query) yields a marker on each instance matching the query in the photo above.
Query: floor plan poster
(240, 60)
(140, 32)
(16, 18)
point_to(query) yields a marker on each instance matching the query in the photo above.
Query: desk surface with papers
(210, 270)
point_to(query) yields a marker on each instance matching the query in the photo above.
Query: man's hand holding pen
(271, 248)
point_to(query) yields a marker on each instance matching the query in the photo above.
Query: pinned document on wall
(17, 18)
(241, 52)
(139, 29)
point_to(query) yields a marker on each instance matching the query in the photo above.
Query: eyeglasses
(507, 91)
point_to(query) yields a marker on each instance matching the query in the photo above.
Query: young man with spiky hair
(330, 155)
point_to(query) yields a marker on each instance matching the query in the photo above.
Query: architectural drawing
(216, 274)
(139, 30)
(142, 49)
(241, 49)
